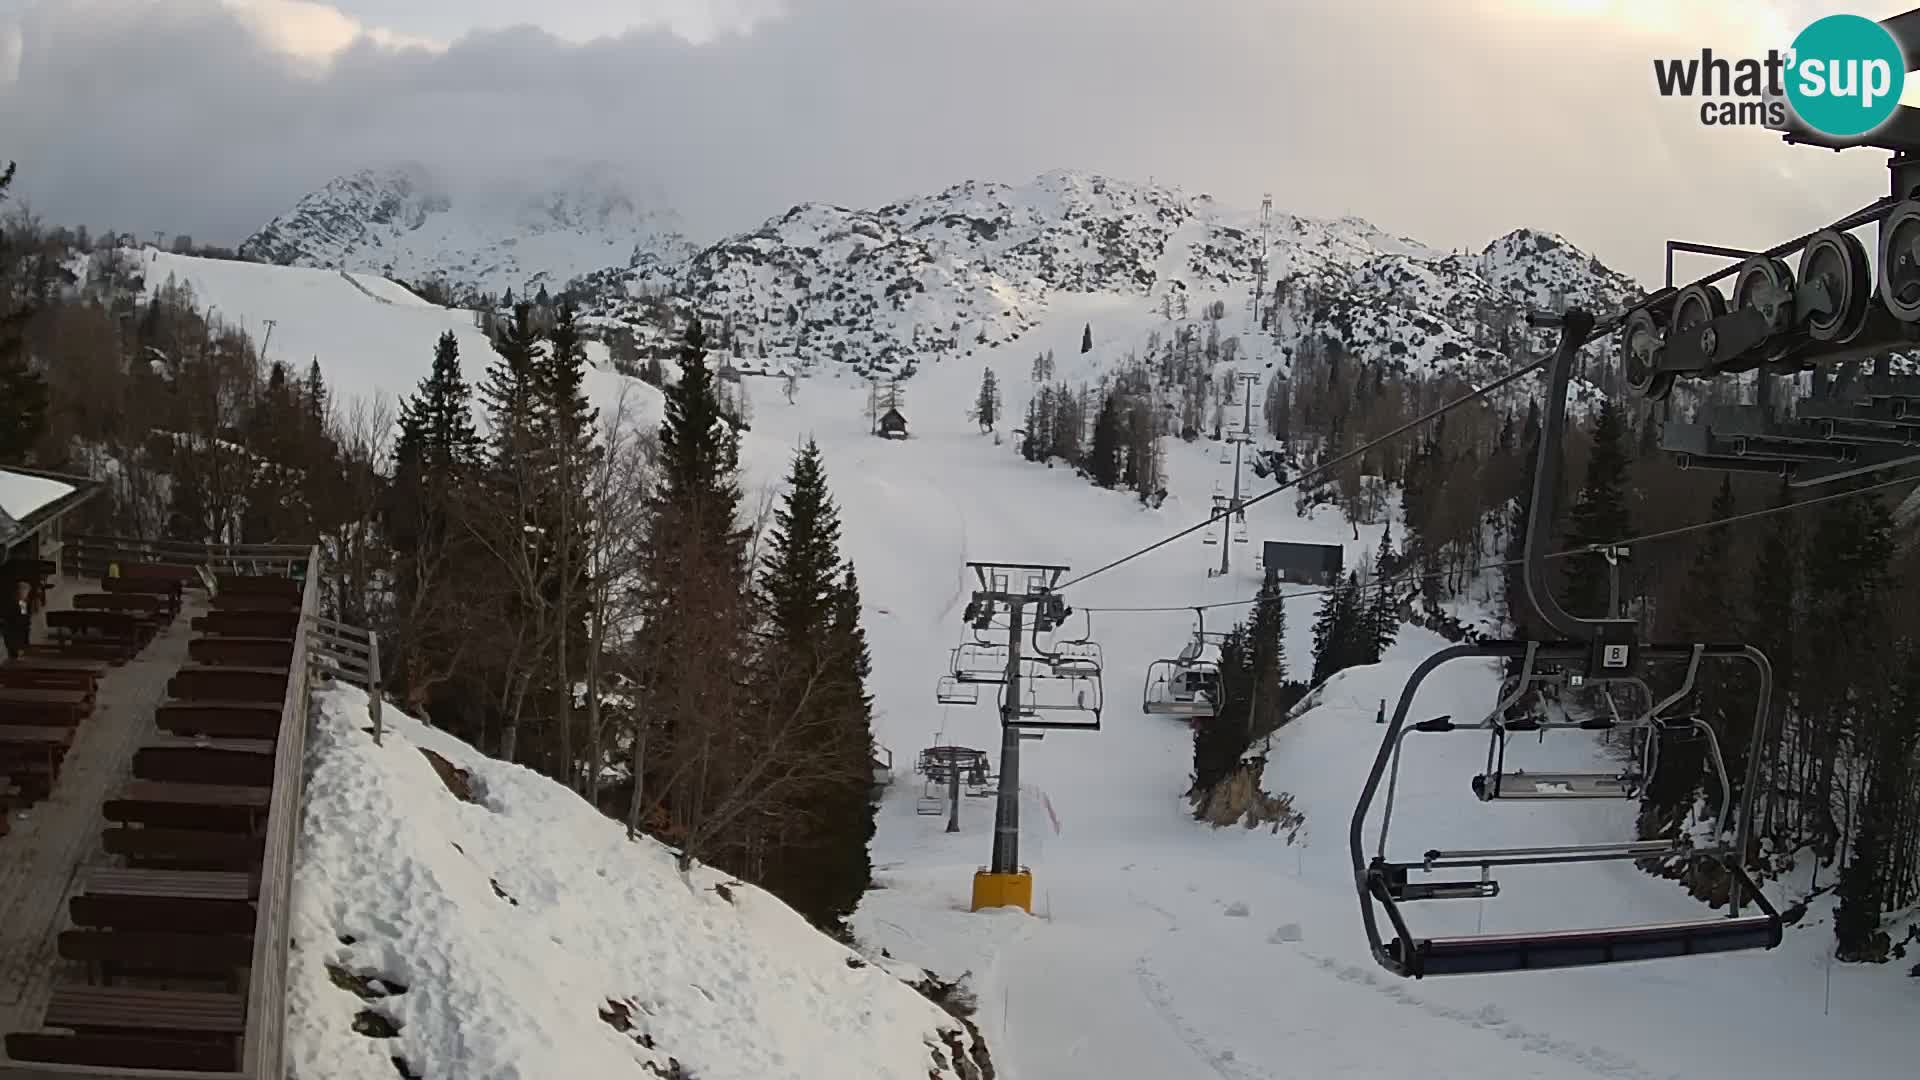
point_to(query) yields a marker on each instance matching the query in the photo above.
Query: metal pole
(373, 682)
(1226, 523)
(953, 796)
(1613, 585)
(1006, 813)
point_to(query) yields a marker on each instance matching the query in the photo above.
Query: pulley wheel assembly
(1900, 262)
(1640, 346)
(1765, 285)
(1838, 261)
(1693, 309)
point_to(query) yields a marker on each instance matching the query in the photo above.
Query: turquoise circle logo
(1847, 75)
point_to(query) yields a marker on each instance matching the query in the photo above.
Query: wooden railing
(91, 555)
(263, 1047)
(340, 651)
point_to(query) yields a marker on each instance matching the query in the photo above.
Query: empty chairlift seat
(1486, 953)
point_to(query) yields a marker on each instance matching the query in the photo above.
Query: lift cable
(1665, 534)
(1326, 466)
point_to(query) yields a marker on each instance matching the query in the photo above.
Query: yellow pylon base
(992, 890)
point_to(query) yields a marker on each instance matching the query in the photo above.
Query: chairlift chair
(975, 662)
(1070, 656)
(1046, 694)
(1593, 651)
(1188, 684)
(1388, 882)
(951, 691)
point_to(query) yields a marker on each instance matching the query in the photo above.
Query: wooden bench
(108, 1008)
(165, 588)
(225, 600)
(33, 751)
(104, 654)
(185, 849)
(111, 952)
(242, 651)
(221, 719)
(44, 707)
(260, 585)
(213, 807)
(122, 1052)
(14, 677)
(190, 901)
(227, 682)
(251, 624)
(51, 660)
(179, 759)
(123, 601)
(122, 631)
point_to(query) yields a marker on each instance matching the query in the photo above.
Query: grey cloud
(1452, 123)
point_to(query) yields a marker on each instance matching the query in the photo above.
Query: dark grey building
(1303, 564)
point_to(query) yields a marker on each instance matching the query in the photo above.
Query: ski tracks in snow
(1490, 1019)
(1154, 989)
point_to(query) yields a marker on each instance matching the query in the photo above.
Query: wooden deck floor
(52, 841)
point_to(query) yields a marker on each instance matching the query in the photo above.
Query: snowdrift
(522, 935)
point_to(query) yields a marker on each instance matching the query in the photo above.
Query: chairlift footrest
(1554, 785)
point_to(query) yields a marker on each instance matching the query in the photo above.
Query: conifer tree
(986, 405)
(23, 392)
(1599, 516)
(1086, 339)
(1339, 631)
(1518, 609)
(1103, 461)
(1267, 646)
(691, 592)
(316, 399)
(440, 415)
(1220, 740)
(817, 650)
(568, 455)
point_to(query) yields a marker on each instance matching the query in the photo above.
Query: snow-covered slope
(374, 339)
(403, 222)
(521, 934)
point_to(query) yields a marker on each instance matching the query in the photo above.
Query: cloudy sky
(1450, 121)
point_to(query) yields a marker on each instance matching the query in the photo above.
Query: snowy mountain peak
(1545, 269)
(405, 222)
(980, 263)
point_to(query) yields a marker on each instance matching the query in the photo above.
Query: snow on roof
(533, 939)
(21, 494)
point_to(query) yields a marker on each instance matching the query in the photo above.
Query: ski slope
(374, 339)
(1164, 949)
(1161, 949)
